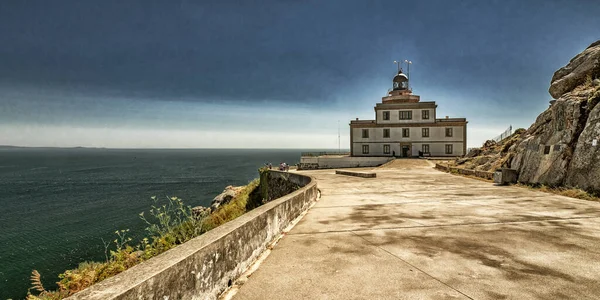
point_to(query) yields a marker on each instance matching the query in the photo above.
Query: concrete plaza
(417, 233)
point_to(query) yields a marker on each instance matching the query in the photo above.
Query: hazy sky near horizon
(271, 74)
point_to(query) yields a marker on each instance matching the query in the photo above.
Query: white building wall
(437, 140)
(395, 116)
(435, 149)
(439, 149)
(376, 149)
(415, 134)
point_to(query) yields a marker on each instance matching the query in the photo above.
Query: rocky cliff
(562, 147)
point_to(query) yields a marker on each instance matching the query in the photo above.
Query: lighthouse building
(406, 127)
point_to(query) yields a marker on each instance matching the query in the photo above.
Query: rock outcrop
(224, 197)
(562, 147)
(576, 71)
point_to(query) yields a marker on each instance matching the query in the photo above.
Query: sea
(58, 206)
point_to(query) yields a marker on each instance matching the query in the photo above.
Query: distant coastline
(32, 147)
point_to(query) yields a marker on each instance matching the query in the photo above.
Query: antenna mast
(339, 148)
(408, 63)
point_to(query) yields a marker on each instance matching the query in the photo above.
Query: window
(448, 149)
(405, 132)
(386, 115)
(449, 132)
(386, 149)
(425, 114)
(365, 149)
(546, 149)
(425, 132)
(386, 133)
(405, 115)
(425, 148)
(556, 147)
(365, 133)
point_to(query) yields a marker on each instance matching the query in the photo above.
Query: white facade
(406, 127)
(417, 116)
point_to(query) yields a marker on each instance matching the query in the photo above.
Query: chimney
(446, 117)
(356, 119)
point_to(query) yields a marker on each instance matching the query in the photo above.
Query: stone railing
(481, 174)
(205, 266)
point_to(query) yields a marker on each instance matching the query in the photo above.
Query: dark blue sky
(271, 73)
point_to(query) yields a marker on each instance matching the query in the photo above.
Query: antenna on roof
(408, 63)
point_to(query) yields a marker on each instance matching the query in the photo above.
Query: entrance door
(405, 151)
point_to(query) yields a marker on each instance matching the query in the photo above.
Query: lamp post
(399, 65)
(408, 63)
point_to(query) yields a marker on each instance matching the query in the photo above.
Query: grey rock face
(584, 171)
(575, 72)
(543, 155)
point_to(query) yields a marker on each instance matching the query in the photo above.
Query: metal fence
(505, 134)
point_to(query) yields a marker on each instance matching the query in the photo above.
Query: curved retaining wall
(205, 266)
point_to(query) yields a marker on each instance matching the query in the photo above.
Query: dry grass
(239, 205)
(563, 191)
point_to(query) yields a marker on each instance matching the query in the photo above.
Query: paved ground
(417, 233)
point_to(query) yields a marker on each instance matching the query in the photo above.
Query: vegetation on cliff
(170, 223)
(491, 156)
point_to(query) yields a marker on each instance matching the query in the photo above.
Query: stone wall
(480, 174)
(280, 184)
(205, 266)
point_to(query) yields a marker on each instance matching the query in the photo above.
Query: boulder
(200, 211)
(489, 144)
(223, 198)
(474, 152)
(587, 63)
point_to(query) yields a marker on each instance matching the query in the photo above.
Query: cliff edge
(562, 147)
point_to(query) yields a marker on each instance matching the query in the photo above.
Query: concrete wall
(332, 162)
(203, 267)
